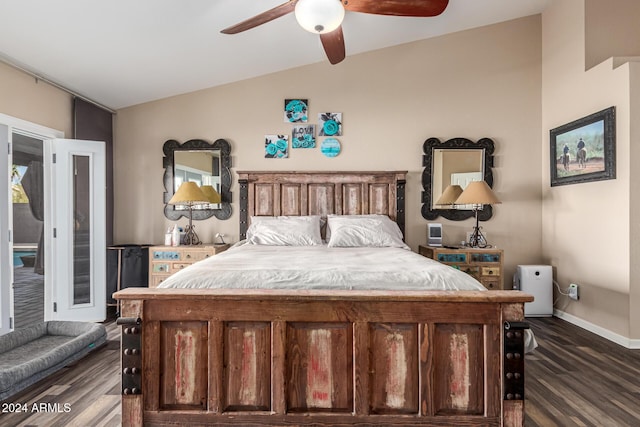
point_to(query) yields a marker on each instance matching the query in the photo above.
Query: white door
(6, 245)
(10, 127)
(75, 181)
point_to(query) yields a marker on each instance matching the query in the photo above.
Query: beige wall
(581, 240)
(25, 98)
(479, 83)
(609, 31)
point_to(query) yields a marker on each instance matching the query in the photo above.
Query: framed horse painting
(584, 150)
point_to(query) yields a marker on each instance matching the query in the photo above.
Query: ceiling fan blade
(333, 44)
(264, 17)
(419, 8)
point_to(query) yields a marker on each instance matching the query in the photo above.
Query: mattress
(247, 266)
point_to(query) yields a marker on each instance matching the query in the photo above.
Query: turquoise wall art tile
(330, 147)
(295, 110)
(276, 146)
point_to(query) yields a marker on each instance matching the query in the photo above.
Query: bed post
(244, 207)
(400, 183)
(513, 364)
(131, 361)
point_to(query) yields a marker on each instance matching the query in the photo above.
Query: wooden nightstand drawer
(447, 257)
(177, 266)
(195, 255)
(493, 285)
(491, 271)
(160, 267)
(164, 254)
(156, 280)
(486, 257)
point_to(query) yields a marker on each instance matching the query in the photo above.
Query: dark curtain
(33, 184)
(96, 124)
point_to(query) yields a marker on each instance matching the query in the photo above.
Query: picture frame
(276, 146)
(295, 110)
(584, 150)
(303, 136)
(330, 124)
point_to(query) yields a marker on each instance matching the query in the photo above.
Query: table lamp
(477, 193)
(449, 196)
(189, 194)
(212, 195)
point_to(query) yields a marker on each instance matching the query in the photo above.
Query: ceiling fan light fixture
(319, 16)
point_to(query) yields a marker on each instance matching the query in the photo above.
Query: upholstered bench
(30, 354)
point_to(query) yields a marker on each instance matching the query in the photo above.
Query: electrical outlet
(573, 292)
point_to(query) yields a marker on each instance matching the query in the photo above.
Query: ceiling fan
(324, 17)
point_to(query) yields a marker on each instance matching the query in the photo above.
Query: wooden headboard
(321, 193)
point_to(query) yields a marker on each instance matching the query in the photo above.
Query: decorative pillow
(285, 231)
(389, 225)
(364, 232)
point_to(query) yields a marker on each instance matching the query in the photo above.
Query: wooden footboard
(322, 357)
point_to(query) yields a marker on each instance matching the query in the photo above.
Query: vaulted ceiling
(123, 52)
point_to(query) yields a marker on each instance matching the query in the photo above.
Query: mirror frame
(427, 162)
(222, 145)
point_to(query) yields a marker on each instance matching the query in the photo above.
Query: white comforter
(320, 267)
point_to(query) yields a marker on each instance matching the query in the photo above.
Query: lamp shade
(188, 194)
(477, 193)
(212, 195)
(450, 195)
(319, 16)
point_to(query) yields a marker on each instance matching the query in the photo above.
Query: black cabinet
(127, 266)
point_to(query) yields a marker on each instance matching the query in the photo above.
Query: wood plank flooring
(574, 378)
(84, 394)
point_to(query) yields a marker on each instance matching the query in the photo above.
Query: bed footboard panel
(267, 362)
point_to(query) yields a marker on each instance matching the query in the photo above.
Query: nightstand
(483, 264)
(166, 260)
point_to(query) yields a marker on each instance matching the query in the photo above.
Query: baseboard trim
(598, 330)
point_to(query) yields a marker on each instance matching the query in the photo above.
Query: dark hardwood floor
(574, 378)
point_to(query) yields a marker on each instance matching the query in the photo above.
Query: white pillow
(364, 232)
(285, 231)
(389, 225)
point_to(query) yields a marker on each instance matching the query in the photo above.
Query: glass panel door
(81, 230)
(77, 289)
(21, 222)
(27, 206)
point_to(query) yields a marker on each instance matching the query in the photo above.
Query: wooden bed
(272, 357)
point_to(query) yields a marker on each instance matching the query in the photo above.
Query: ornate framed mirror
(203, 162)
(455, 161)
